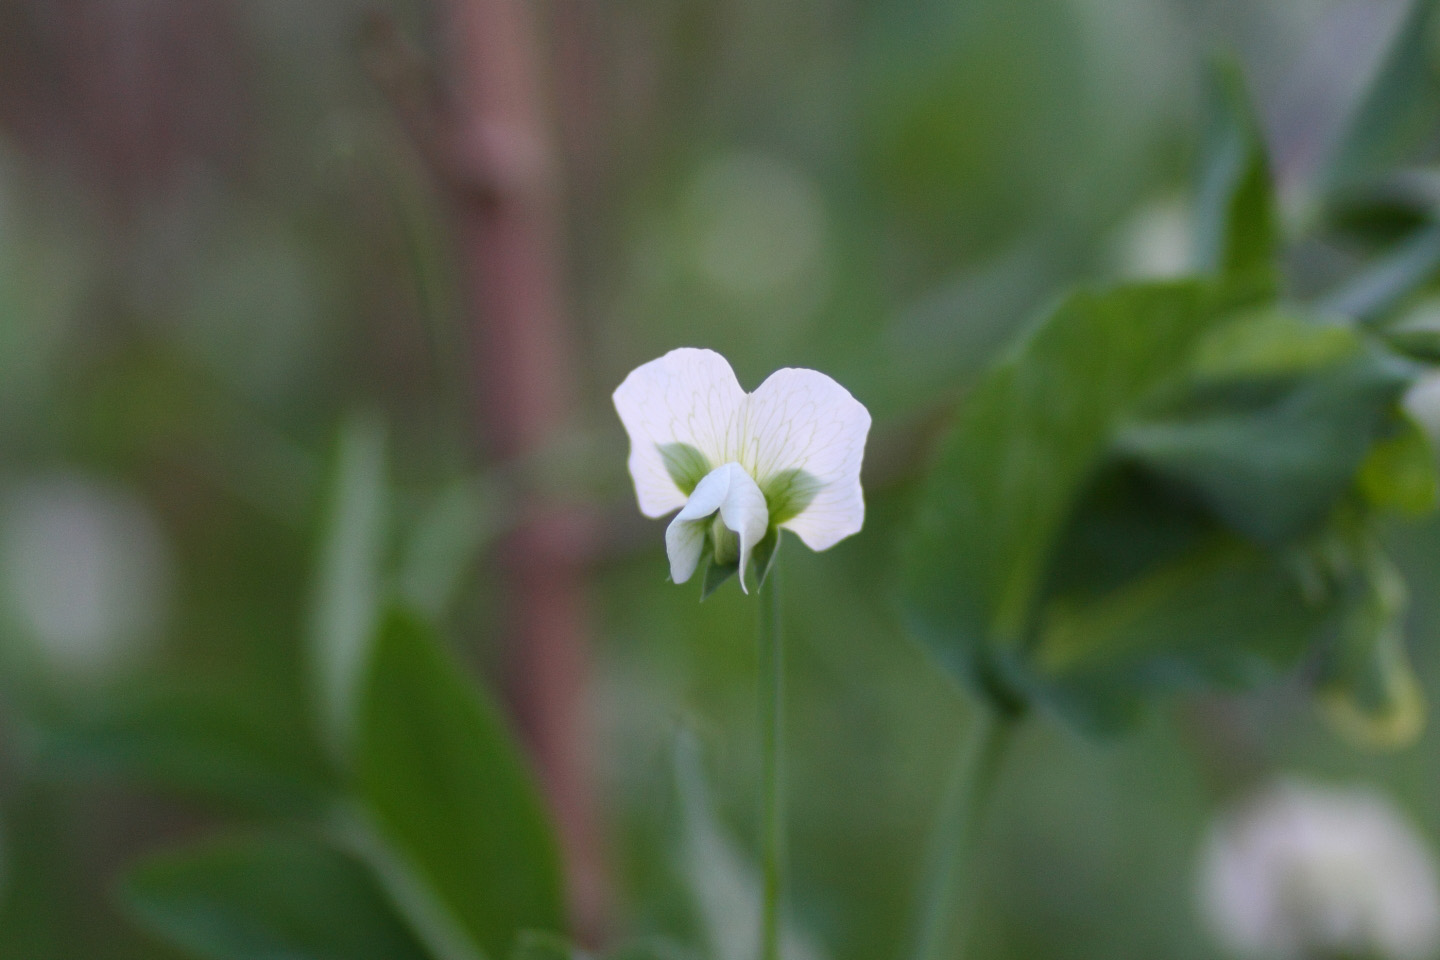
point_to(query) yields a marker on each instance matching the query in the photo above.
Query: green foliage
(1365, 681)
(451, 529)
(446, 787)
(347, 592)
(1398, 113)
(36, 895)
(1159, 489)
(1029, 439)
(1270, 451)
(1222, 613)
(1420, 342)
(1125, 504)
(259, 899)
(721, 884)
(543, 946)
(1400, 473)
(1236, 224)
(1388, 282)
(197, 743)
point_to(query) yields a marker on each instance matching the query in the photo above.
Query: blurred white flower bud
(84, 574)
(1302, 871)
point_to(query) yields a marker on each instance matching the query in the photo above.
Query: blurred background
(242, 242)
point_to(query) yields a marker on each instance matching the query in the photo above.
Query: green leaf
(650, 949)
(1121, 509)
(1366, 686)
(723, 886)
(443, 544)
(347, 592)
(201, 743)
(1400, 474)
(1030, 439)
(1236, 226)
(446, 786)
(1399, 113)
(1420, 343)
(544, 946)
(39, 894)
(267, 898)
(1226, 614)
(1271, 455)
(1386, 283)
(532, 945)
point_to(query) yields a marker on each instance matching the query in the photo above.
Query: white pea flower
(741, 466)
(1304, 872)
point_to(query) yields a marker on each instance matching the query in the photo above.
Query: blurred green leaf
(200, 743)
(447, 787)
(956, 103)
(544, 946)
(37, 889)
(347, 593)
(1122, 508)
(444, 543)
(1417, 342)
(1236, 226)
(1366, 685)
(1028, 441)
(649, 949)
(1224, 614)
(1400, 111)
(724, 887)
(1387, 282)
(267, 898)
(1270, 455)
(1400, 473)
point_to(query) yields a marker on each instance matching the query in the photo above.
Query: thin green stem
(945, 900)
(772, 824)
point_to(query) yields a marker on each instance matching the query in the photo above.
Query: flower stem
(945, 900)
(772, 839)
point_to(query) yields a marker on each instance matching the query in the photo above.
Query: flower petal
(804, 430)
(744, 511)
(731, 491)
(687, 400)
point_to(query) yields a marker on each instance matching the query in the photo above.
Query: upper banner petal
(687, 400)
(802, 430)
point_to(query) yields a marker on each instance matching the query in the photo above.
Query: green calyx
(788, 493)
(686, 465)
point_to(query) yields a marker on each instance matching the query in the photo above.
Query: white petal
(684, 542)
(688, 396)
(803, 420)
(685, 537)
(744, 511)
(731, 491)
